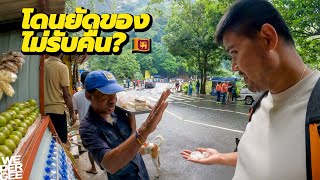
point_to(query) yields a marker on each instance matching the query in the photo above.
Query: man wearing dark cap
(107, 134)
(262, 50)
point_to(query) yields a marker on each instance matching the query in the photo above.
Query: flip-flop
(91, 172)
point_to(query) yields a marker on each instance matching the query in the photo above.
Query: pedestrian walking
(218, 89)
(234, 93)
(198, 87)
(230, 88)
(224, 90)
(190, 89)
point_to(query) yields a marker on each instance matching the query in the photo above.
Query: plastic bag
(7, 76)
(132, 102)
(17, 54)
(11, 66)
(6, 88)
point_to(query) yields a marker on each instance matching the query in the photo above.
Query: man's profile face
(248, 58)
(103, 103)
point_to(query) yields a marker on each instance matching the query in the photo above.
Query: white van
(248, 96)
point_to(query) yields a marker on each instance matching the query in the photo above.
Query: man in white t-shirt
(263, 52)
(81, 106)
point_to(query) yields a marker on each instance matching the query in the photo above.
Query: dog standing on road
(153, 149)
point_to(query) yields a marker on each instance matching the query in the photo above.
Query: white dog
(153, 149)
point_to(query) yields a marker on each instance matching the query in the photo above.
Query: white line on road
(227, 129)
(215, 109)
(174, 115)
(208, 125)
(153, 99)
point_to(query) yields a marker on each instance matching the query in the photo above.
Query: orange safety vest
(218, 87)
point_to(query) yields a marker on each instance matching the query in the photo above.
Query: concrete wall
(27, 85)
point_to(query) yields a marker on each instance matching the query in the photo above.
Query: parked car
(149, 83)
(248, 96)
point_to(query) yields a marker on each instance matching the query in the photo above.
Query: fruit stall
(25, 131)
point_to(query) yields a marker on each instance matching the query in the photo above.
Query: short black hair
(246, 17)
(83, 76)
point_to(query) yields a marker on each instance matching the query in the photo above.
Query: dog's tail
(159, 140)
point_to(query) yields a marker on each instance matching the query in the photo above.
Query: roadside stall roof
(10, 10)
(222, 79)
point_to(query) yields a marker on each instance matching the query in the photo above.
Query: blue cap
(103, 81)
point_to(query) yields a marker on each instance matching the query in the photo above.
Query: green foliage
(125, 65)
(303, 19)
(97, 62)
(138, 75)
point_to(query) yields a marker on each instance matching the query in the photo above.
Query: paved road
(191, 122)
(188, 123)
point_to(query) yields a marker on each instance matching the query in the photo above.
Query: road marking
(215, 109)
(203, 124)
(153, 99)
(218, 127)
(180, 118)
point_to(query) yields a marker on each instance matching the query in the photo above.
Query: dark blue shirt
(100, 137)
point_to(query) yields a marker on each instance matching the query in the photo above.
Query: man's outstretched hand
(214, 157)
(155, 115)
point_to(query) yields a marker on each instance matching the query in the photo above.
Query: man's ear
(270, 36)
(88, 96)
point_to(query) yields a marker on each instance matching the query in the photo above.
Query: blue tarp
(222, 79)
(215, 81)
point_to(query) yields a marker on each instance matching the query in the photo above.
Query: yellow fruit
(32, 109)
(15, 109)
(6, 115)
(5, 150)
(31, 118)
(18, 122)
(24, 125)
(20, 106)
(3, 121)
(17, 133)
(28, 122)
(20, 116)
(9, 127)
(22, 130)
(13, 124)
(1, 156)
(32, 102)
(5, 131)
(2, 138)
(12, 113)
(15, 138)
(10, 144)
(26, 104)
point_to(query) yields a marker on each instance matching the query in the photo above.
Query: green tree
(96, 62)
(303, 19)
(190, 34)
(125, 65)
(170, 67)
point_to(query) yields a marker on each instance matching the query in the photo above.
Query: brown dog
(153, 149)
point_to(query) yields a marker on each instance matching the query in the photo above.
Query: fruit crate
(34, 150)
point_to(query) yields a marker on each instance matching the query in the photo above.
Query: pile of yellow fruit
(14, 124)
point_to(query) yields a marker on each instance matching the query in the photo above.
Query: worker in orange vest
(224, 91)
